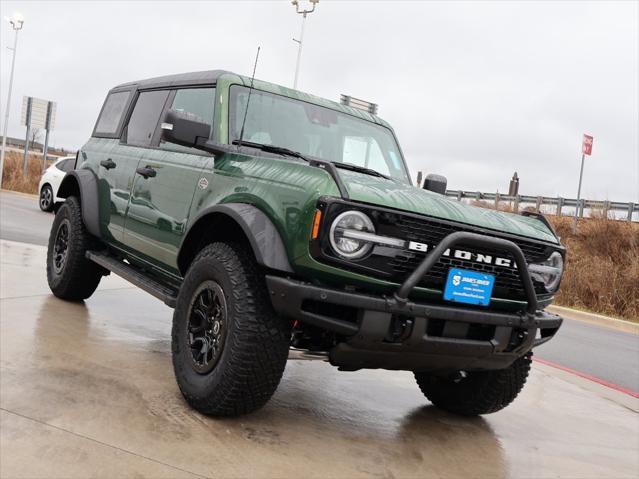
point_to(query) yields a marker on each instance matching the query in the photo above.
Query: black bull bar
(367, 333)
(472, 239)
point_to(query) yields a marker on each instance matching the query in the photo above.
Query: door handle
(108, 163)
(146, 172)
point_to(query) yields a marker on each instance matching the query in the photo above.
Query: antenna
(248, 100)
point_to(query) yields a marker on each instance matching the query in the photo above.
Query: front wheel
(478, 392)
(229, 347)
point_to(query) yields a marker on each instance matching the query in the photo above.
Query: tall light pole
(299, 42)
(16, 23)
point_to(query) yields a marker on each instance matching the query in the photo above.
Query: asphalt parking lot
(87, 389)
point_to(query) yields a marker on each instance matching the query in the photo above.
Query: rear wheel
(229, 347)
(477, 392)
(46, 198)
(69, 273)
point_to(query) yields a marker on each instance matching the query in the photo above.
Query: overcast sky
(474, 90)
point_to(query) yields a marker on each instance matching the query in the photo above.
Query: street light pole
(301, 40)
(16, 23)
(299, 52)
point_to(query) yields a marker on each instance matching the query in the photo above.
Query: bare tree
(34, 136)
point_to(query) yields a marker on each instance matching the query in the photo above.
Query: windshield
(314, 131)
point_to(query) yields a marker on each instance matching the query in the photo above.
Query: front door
(164, 186)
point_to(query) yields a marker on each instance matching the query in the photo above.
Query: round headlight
(351, 248)
(549, 271)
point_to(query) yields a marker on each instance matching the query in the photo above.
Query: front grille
(507, 281)
(396, 265)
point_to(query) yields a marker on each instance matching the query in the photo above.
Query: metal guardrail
(631, 209)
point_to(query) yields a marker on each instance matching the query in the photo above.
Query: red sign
(586, 146)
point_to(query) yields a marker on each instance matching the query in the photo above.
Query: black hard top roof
(193, 78)
(210, 77)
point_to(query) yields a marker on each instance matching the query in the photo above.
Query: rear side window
(69, 165)
(111, 114)
(66, 165)
(144, 119)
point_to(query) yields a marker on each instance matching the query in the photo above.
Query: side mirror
(184, 128)
(436, 183)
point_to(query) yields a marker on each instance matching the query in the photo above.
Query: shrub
(602, 263)
(12, 179)
(602, 266)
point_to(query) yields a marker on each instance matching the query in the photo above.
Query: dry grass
(12, 178)
(602, 267)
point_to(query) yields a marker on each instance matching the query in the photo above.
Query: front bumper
(450, 345)
(397, 333)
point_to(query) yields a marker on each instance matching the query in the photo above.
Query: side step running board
(167, 294)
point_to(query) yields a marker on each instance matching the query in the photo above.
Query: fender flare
(86, 183)
(262, 234)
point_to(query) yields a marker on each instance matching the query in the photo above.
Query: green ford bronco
(278, 223)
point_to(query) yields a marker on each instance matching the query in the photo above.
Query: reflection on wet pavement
(88, 389)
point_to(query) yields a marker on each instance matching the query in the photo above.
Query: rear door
(160, 202)
(102, 155)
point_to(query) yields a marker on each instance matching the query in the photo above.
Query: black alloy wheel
(207, 326)
(61, 246)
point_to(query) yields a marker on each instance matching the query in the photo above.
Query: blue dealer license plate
(470, 287)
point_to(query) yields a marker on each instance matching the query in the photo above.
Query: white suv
(51, 179)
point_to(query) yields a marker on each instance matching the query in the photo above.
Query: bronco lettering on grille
(466, 255)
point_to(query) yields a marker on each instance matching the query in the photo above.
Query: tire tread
(482, 392)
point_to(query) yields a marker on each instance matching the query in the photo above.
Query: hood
(400, 196)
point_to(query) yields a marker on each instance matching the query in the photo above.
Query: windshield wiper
(271, 149)
(360, 169)
(326, 165)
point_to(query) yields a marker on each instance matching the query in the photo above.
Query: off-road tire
(480, 392)
(256, 343)
(79, 277)
(46, 199)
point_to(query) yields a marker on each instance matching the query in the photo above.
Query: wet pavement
(87, 389)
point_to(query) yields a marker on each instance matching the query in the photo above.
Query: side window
(142, 126)
(111, 114)
(199, 101)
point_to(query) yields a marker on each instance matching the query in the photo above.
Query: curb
(597, 319)
(19, 193)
